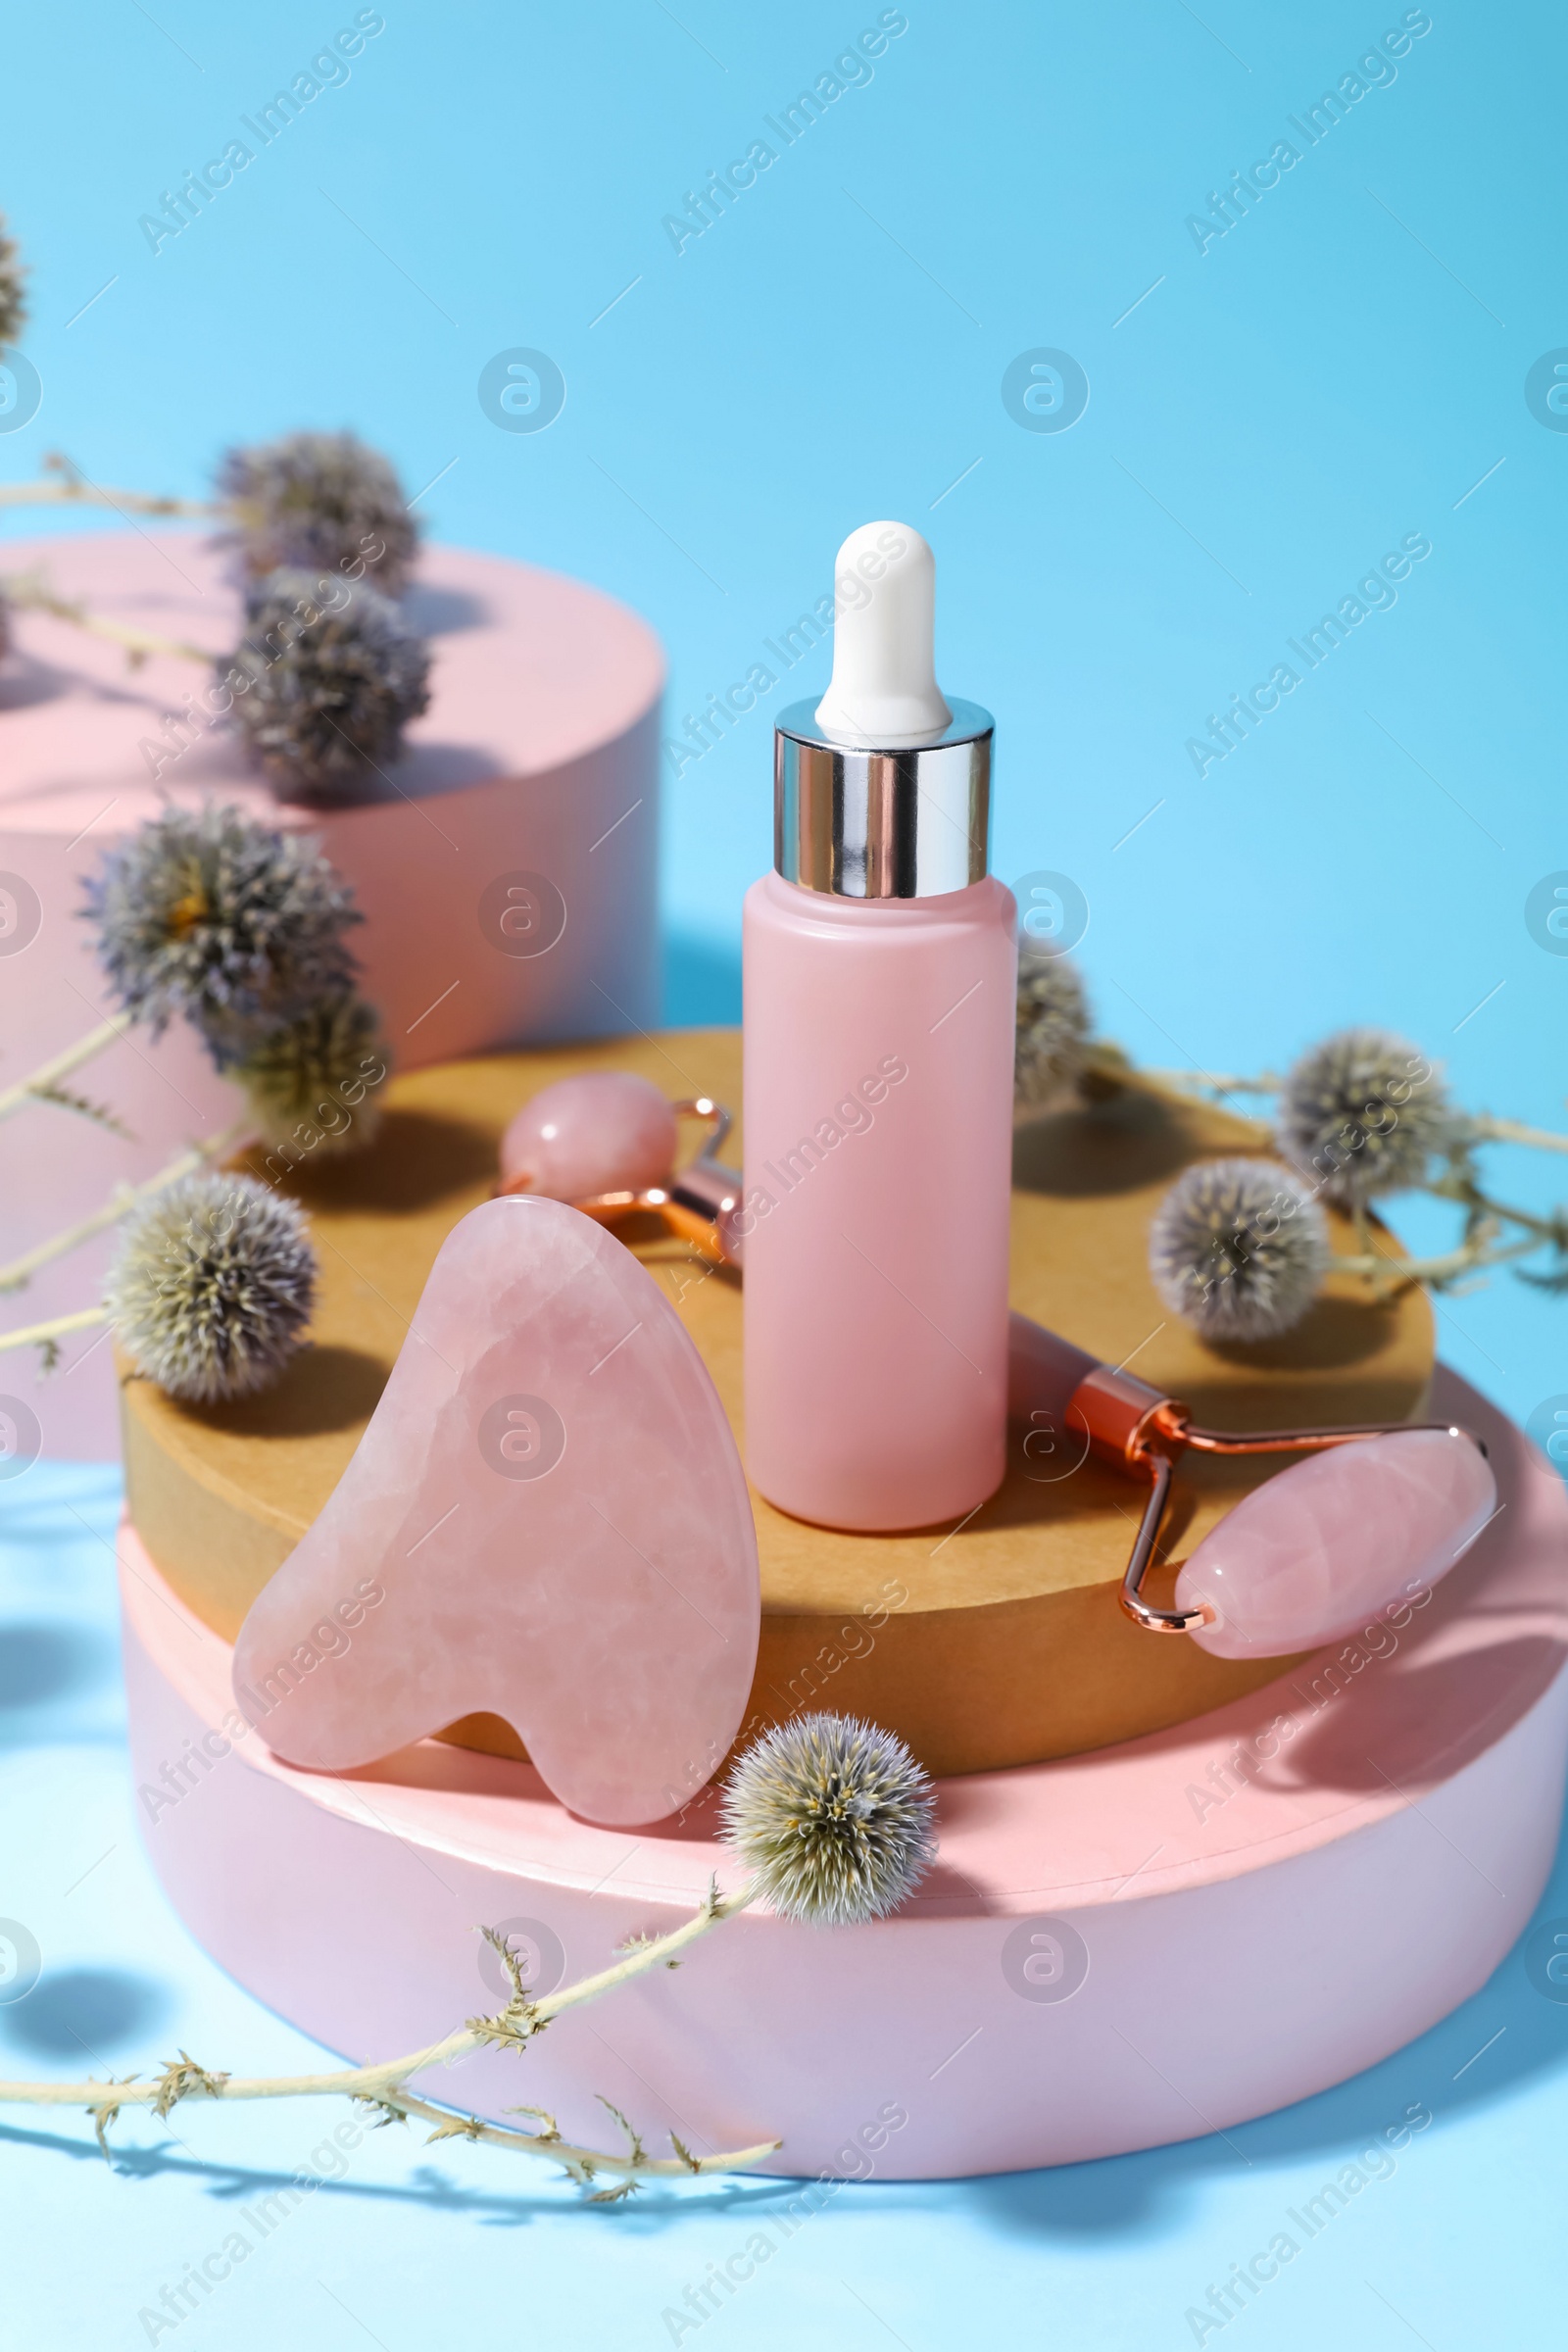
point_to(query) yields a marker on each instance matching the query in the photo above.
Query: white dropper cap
(884, 688)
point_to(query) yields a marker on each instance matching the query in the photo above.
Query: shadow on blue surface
(39, 1662)
(426, 2186)
(702, 982)
(60, 1681)
(1506, 2035)
(73, 2011)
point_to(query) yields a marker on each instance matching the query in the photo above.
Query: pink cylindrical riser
(537, 758)
(1201, 2009)
(1263, 1910)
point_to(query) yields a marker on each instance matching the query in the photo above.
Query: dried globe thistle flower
(210, 914)
(320, 502)
(330, 678)
(832, 1817)
(315, 1076)
(1238, 1248)
(211, 1287)
(13, 299)
(1364, 1113)
(1053, 1025)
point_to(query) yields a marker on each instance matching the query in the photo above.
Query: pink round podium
(537, 758)
(1118, 1949)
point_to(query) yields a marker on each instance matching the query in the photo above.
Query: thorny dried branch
(382, 2089)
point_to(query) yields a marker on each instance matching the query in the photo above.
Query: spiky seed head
(211, 1285)
(1362, 1114)
(315, 1081)
(208, 913)
(320, 502)
(13, 291)
(833, 1816)
(331, 676)
(1238, 1248)
(1053, 1025)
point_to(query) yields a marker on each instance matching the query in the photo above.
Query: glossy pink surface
(1267, 1898)
(546, 1519)
(605, 1131)
(879, 1085)
(538, 755)
(1336, 1539)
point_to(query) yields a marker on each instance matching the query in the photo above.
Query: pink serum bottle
(880, 983)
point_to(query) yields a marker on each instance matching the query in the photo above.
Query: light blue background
(1343, 367)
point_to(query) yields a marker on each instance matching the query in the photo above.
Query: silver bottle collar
(908, 821)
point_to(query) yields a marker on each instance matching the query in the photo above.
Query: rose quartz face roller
(606, 1141)
(1366, 1518)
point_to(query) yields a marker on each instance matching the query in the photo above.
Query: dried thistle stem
(1480, 1247)
(1397, 1273)
(1457, 1186)
(30, 592)
(1474, 1127)
(38, 1088)
(383, 2084)
(1212, 1082)
(581, 2162)
(1481, 1128)
(124, 1198)
(73, 489)
(57, 1327)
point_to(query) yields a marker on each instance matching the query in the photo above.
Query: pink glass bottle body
(878, 1139)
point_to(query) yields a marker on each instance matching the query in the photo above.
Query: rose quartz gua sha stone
(603, 1131)
(546, 1519)
(1325, 1546)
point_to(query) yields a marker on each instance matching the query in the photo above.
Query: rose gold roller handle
(697, 1203)
(1137, 1426)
